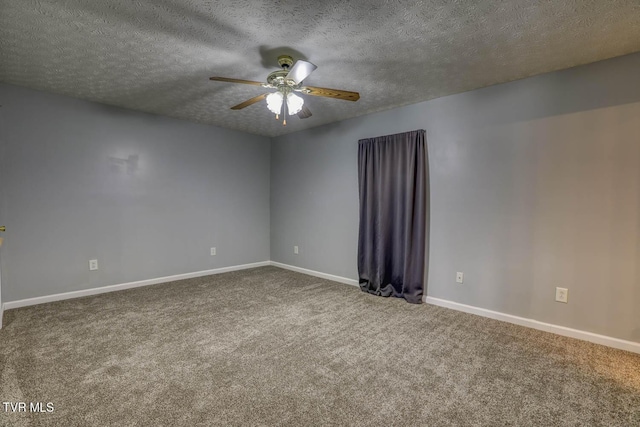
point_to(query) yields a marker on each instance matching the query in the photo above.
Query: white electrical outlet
(562, 295)
(459, 277)
(213, 251)
(93, 264)
(295, 250)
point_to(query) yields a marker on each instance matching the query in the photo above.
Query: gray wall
(2, 200)
(534, 184)
(74, 191)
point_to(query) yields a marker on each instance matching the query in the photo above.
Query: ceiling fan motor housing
(278, 79)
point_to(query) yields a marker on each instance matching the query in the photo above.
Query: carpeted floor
(271, 347)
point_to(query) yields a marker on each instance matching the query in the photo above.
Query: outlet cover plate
(562, 295)
(93, 264)
(213, 251)
(460, 277)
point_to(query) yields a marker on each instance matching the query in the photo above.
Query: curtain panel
(393, 188)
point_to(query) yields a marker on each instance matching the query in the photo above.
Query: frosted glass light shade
(294, 103)
(274, 102)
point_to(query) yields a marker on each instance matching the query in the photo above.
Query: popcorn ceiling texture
(157, 56)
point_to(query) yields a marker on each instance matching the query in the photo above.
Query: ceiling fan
(287, 81)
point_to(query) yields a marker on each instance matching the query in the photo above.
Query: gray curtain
(393, 184)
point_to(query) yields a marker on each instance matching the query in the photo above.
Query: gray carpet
(271, 347)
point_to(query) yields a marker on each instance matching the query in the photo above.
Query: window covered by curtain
(393, 185)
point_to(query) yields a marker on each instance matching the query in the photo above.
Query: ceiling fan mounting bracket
(285, 61)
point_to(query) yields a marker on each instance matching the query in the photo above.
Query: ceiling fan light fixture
(294, 103)
(286, 81)
(274, 102)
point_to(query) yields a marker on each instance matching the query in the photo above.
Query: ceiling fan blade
(226, 79)
(300, 71)
(331, 93)
(305, 113)
(249, 102)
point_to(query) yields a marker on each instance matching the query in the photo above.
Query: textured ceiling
(156, 56)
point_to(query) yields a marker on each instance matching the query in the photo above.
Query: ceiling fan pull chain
(284, 114)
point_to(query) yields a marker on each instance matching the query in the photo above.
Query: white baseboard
(111, 288)
(547, 327)
(530, 323)
(340, 279)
